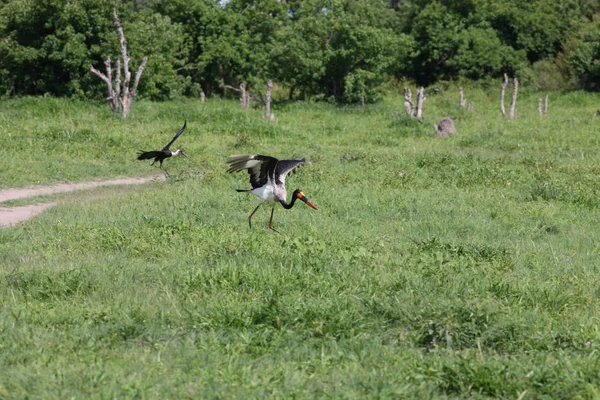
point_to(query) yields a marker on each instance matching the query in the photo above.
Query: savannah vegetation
(434, 268)
(464, 267)
(334, 50)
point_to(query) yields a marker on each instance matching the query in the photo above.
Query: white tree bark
(268, 100)
(540, 107)
(513, 103)
(202, 97)
(504, 85)
(408, 104)
(243, 98)
(461, 96)
(420, 100)
(546, 106)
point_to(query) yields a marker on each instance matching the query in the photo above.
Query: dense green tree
(478, 38)
(49, 45)
(583, 56)
(322, 49)
(341, 49)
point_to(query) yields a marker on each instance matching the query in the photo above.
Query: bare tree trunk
(248, 99)
(513, 103)
(117, 98)
(268, 100)
(129, 95)
(243, 99)
(202, 97)
(504, 85)
(114, 93)
(244, 95)
(540, 107)
(420, 100)
(362, 103)
(546, 106)
(461, 96)
(408, 104)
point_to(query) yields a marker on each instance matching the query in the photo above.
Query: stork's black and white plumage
(267, 177)
(161, 155)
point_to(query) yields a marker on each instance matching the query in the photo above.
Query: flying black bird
(267, 177)
(161, 155)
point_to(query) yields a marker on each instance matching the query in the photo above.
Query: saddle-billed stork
(267, 177)
(161, 155)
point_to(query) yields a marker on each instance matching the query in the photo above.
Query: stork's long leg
(270, 226)
(164, 170)
(250, 217)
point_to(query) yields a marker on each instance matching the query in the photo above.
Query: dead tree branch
(113, 98)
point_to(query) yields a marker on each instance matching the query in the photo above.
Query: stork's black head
(300, 196)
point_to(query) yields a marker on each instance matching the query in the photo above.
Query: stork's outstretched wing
(259, 167)
(284, 167)
(176, 136)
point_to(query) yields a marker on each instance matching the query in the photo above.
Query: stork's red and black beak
(302, 197)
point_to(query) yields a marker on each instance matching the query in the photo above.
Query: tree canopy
(342, 50)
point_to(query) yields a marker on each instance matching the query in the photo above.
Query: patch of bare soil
(13, 215)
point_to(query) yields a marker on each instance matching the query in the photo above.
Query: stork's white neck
(176, 153)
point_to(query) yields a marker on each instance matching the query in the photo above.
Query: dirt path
(13, 215)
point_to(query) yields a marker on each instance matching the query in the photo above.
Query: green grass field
(465, 267)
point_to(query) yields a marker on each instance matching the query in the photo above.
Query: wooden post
(268, 99)
(420, 100)
(408, 104)
(540, 107)
(462, 98)
(546, 106)
(202, 97)
(504, 84)
(513, 103)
